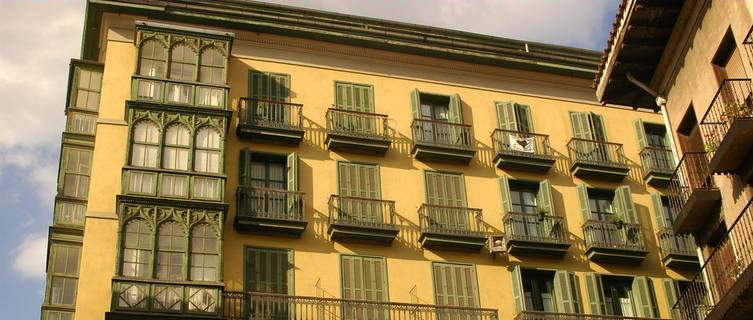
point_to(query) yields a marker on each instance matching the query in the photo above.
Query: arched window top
(212, 57)
(146, 131)
(208, 138)
(182, 62)
(137, 248)
(181, 52)
(171, 235)
(152, 58)
(152, 49)
(177, 135)
(203, 238)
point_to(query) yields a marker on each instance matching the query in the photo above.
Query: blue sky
(41, 36)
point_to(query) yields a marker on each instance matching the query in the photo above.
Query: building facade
(692, 59)
(260, 161)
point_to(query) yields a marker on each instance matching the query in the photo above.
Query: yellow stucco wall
(313, 68)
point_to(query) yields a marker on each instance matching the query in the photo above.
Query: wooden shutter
(544, 197)
(445, 189)
(279, 85)
(258, 85)
(456, 110)
(595, 294)
(661, 221)
(415, 103)
(624, 204)
(269, 271)
(566, 292)
(643, 297)
(640, 132)
(344, 96)
(504, 191)
(506, 116)
(597, 130)
(359, 180)
(671, 295)
(455, 285)
(585, 210)
(363, 98)
(364, 278)
(292, 171)
(523, 118)
(244, 167)
(580, 124)
(517, 289)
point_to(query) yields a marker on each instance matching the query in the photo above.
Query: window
(268, 172)
(600, 202)
(588, 126)
(81, 123)
(354, 97)
(88, 84)
(727, 61)
(152, 59)
(514, 117)
(170, 251)
(269, 86)
(621, 296)
(182, 62)
(654, 137)
(57, 315)
(177, 149)
(206, 188)
(528, 204)
(435, 112)
(689, 134)
(142, 182)
(269, 271)
(359, 181)
(63, 274)
(204, 253)
(76, 166)
(212, 66)
(618, 296)
(70, 213)
(538, 290)
(445, 193)
(207, 154)
(137, 249)
(172, 186)
(145, 145)
(544, 290)
(455, 285)
(523, 197)
(363, 278)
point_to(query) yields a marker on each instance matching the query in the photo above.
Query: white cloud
(40, 167)
(29, 257)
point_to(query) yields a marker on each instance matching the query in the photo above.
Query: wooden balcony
(541, 315)
(693, 195)
(354, 219)
(451, 228)
(270, 121)
(523, 151)
(727, 127)
(269, 211)
(611, 243)
(722, 290)
(252, 305)
(677, 251)
(357, 132)
(133, 298)
(445, 142)
(658, 165)
(600, 160)
(533, 234)
(179, 92)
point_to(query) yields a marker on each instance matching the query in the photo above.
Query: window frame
(170, 251)
(54, 248)
(81, 177)
(217, 254)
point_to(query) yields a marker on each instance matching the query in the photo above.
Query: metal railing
(270, 113)
(535, 227)
(362, 212)
(242, 306)
(449, 220)
(657, 160)
(596, 152)
(357, 124)
(518, 143)
(442, 134)
(606, 234)
(541, 315)
(266, 203)
(165, 297)
(671, 243)
(722, 268)
(179, 92)
(692, 173)
(732, 101)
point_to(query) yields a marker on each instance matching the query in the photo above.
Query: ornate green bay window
(181, 66)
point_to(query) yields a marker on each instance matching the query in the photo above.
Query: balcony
(166, 184)
(678, 251)
(600, 160)
(658, 166)
(242, 306)
(727, 127)
(357, 132)
(613, 243)
(452, 228)
(132, 298)
(727, 291)
(270, 211)
(522, 151)
(270, 121)
(178, 92)
(535, 234)
(445, 142)
(354, 219)
(693, 194)
(541, 315)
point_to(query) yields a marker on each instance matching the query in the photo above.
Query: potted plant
(618, 221)
(543, 212)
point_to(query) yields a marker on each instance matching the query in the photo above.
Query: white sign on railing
(520, 144)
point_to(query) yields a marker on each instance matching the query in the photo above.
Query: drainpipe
(661, 102)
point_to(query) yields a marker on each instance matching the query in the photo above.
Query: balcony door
(359, 99)
(438, 112)
(618, 297)
(268, 271)
(589, 127)
(357, 184)
(523, 199)
(364, 279)
(268, 92)
(446, 192)
(455, 285)
(269, 174)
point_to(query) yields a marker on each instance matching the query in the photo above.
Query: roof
(351, 30)
(640, 33)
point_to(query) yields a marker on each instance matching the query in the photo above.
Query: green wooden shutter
(456, 110)
(362, 98)
(344, 96)
(258, 85)
(244, 167)
(359, 180)
(269, 271)
(595, 294)
(523, 118)
(279, 85)
(364, 278)
(506, 116)
(517, 289)
(624, 204)
(415, 103)
(580, 125)
(671, 295)
(566, 292)
(455, 285)
(544, 197)
(598, 131)
(661, 221)
(643, 297)
(504, 190)
(445, 189)
(292, 171)
(640, 133)
(585, 210)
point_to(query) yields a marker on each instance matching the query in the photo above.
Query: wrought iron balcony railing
(599, 153)
(459, 221)
(679, 244)
(521, 144)
(362, 212)
(691, 174)
(155, 296)
(263, 203)
(541, 315)
(535, 227)
(657, 160)
(442, 134)
(270, 114)
(732, 101)
(179, 92)
(610, 235)
(727, 264)
(357, 124)
(241, 306)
